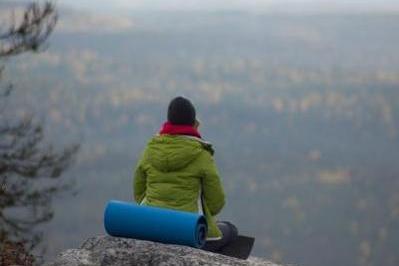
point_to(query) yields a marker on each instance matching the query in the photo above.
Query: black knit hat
(181, 111)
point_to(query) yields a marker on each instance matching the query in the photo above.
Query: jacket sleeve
(211, 185)
(139, 182)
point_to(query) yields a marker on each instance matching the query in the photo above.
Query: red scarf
(171, 129)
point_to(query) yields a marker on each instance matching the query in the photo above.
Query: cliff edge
(107, 250)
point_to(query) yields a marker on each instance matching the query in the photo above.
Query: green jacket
(178, 172)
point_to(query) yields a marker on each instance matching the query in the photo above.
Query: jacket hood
(169, 153)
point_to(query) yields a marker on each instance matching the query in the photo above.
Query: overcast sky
(252, 5)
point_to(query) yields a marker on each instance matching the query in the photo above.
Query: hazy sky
(254, 5)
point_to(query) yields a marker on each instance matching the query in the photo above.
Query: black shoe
(229, 230)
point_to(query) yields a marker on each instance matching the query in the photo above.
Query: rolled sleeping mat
(123, 219)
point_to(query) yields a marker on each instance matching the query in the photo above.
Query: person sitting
(177, 171)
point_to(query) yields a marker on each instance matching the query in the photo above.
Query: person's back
(177, 169)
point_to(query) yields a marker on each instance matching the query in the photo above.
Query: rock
(107, 250)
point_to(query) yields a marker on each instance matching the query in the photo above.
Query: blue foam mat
(123, 219)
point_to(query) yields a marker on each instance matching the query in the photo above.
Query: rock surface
(107, 250)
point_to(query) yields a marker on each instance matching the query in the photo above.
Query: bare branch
(32, 32)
